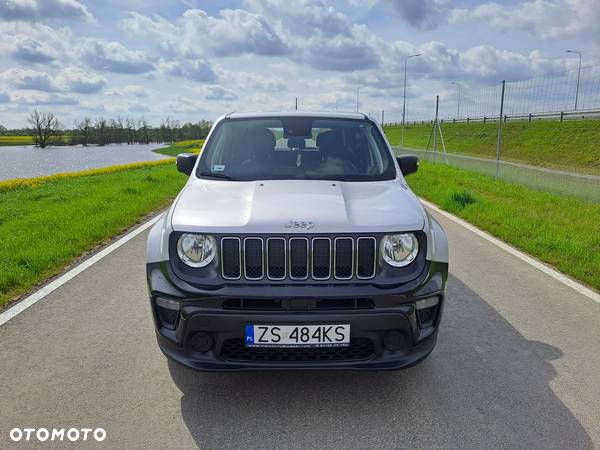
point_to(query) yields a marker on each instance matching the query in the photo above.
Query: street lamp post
(578, 76)
(458, 100)
(358, 96)
(404, 101)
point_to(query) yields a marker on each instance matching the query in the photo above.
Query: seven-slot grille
(298, 258)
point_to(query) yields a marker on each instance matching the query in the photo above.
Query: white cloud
(28, 79)
(197, 34)
(156, 29)
(40, 10)
(114, 57)
(252, 82)
(34, 98)
(232, 33)
(341, 53)
(548, 19)
(138, 91)
(306, 15)
(73, 79)
(34, 43)
(217, 92)
(423, 14)
(196, 69)
(69, 80)
(138, 108)
(319, 35)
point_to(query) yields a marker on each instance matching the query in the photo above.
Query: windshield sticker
(218, 168)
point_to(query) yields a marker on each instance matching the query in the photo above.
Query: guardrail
(529, 117)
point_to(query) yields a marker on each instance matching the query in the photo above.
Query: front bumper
(387, 329)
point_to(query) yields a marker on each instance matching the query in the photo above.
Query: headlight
(196, 250)
(400, 250)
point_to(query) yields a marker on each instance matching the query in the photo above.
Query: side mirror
(408, 164)
(186, 162)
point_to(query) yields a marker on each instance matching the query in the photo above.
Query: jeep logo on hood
(300, 224)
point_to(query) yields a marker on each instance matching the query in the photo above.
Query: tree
(143, 127)
(130, 127)
(100, 128)
(116, 130)
(44, 126)
(165, 130)
(84, 130)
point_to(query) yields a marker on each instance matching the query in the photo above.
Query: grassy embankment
(561, 231)
(47, 222)
(570, 145)
(174, 149)
(16, 140)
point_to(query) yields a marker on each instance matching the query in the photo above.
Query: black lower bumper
(389, 328)
(379, 340)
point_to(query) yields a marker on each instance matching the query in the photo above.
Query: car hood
(296, 206)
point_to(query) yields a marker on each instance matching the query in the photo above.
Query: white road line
(519, 254)
(38, 295)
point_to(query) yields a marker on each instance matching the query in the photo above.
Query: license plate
(297, 335)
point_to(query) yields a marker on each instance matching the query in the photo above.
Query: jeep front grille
(231, 258)
(253, 258)
(276, 263)
(298, 258)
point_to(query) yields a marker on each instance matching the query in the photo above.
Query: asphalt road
(517, 365)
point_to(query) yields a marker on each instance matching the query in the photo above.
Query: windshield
(302, 148)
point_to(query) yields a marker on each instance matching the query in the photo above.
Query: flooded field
(29, 162)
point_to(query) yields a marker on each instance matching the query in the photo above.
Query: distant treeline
(47, 130)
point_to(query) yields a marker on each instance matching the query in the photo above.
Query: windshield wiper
(221, 176)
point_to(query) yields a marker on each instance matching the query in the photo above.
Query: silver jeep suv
(296, 243)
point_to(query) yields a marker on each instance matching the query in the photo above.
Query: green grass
(16, 140)
(561, 231)
(174, 149)
(47, 224)
(570, 145)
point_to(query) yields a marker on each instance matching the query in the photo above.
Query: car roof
(295, 113)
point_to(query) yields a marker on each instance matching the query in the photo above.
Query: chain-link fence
(543, 132)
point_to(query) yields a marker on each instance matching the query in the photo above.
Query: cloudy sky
(197, 59)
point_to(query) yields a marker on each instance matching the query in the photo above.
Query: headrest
(329, 139)
(262, 138)
(296, 142)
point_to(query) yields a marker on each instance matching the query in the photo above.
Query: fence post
(499, 142)
(529, 117)
(562, 114)
(484, 119)
(382, 116)
(435, 125)
(467, 120)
